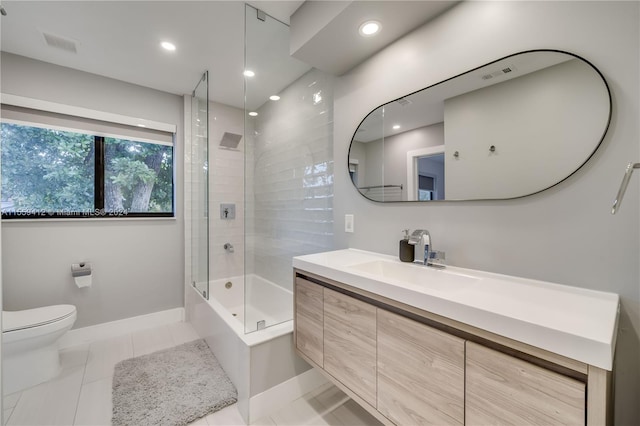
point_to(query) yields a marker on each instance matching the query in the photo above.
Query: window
(138, 177)
(48, 171)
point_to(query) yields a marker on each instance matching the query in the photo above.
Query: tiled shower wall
(226, 185)
(290, 178)
(286, 158)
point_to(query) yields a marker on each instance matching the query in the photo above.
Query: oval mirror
(508, 129)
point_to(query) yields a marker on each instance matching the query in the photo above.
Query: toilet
(30, 345)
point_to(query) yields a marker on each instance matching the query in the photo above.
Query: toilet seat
(30, 318)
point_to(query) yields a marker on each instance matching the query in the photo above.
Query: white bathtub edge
(277, 397)
(121, 327)
(251, 338)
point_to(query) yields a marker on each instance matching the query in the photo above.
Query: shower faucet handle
(227, 211)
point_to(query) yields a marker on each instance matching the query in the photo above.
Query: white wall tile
(292, 151)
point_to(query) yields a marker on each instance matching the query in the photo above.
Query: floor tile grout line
(84, 371)
(8, 418)
(16, 404)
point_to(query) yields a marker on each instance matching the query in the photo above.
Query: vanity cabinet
(420, 373)
(505, 390)
(407, 366)
(350, 343)
(309, 320)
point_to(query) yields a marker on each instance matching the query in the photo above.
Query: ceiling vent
(61, 43)
(404, 102)
(500, 72)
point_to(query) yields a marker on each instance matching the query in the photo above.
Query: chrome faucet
(421, 239)
(423, 251)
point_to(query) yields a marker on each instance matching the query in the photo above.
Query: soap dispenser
(406, 249)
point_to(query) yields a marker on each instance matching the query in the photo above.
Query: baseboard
(121, 327)
(277, 397)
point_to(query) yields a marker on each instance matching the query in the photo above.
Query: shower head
(230, 140)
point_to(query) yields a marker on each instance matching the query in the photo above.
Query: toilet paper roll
(83, 281)
(80, 269)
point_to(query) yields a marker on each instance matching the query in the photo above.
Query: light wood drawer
(501, 389)
(350, 343)
(420, 373)
(309, 320)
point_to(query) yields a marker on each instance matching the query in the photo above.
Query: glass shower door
(200, 186)
(288, 168)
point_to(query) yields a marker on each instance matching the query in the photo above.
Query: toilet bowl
(30, 345)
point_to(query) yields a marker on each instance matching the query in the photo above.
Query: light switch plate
(348, 223)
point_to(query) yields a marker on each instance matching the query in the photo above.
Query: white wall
(565, 234)
(138, 264)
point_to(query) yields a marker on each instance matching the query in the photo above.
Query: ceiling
(120, 40)
(335, 46)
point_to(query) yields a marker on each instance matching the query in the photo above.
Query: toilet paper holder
(80, 269)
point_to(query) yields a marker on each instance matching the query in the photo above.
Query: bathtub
(266, 302)
(261, 363)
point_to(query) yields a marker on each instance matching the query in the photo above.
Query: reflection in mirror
(430, 177)
(425, 174)
(511, 128)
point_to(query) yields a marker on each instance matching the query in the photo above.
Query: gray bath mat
(170, 387)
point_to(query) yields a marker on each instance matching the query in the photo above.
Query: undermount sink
(414, 274)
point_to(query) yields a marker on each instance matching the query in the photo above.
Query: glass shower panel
(200, 186)
(288, 168)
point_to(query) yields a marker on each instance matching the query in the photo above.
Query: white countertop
(577, 323)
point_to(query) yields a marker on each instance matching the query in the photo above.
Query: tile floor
(81, 394)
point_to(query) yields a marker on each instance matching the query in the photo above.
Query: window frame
(99, 183)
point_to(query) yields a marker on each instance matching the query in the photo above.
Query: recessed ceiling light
(396, 127)
(370, 28)
(274, 97)
(249, 73)
(141, 125)
(168, 46)
(253, 114)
